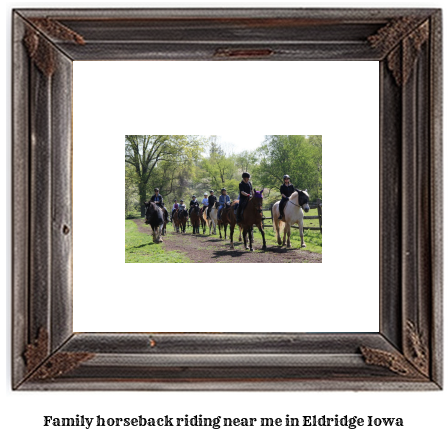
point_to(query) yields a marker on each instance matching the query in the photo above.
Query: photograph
(230, 198)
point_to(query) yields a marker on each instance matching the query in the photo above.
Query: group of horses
(293, 213)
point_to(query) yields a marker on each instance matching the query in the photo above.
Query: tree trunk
(142, 193)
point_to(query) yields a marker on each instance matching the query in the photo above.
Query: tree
(152, 155)
(294, 155)
(130, 192)
(219, 166)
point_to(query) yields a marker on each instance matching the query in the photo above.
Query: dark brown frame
(406, 354)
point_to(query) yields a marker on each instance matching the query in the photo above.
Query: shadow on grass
(141, 246)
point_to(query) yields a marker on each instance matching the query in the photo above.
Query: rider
(175, 207)
(158, 200)
(286, 190)
(193, 203)
(224, 200)
(205, 202)
(211, 202)
(182, 207)
(246, 191)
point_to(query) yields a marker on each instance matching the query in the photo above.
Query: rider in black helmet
(286, 190)
(193, 203)
(158, 200)
(246, 192)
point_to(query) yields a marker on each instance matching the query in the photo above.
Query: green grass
(139, 248)
(313, 239)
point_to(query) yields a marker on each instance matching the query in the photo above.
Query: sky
(238, 143)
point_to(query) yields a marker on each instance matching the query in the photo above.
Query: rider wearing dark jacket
(193, 203)
(156, 198)
(211, 202)
(245, 194)
(286, 190)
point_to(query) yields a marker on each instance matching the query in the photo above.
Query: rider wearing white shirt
(205, 201)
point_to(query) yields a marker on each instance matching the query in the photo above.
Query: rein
(297, 205)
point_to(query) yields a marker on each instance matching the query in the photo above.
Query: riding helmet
(181, 200)
(212, 191)
(223, 190)
(156, 190)
(286, 177)
(206, 194)
(194, 196)
(246, 175)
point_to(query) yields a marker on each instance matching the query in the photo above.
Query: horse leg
(160, 233)
(264, 239)
(232, 229)
(251, 237)
(240, 238)
(288, 242)
(303, 245)
(225, 232)
(245, 238)
(276, 222)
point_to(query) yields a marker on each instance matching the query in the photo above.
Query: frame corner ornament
(39, 48)
(40, 365)
(395, 362)
(418, 350)
(401, 57)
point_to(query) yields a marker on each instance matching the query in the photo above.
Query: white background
(339, 295)
(424, 413)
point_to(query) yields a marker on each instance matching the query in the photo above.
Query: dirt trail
(203, 248)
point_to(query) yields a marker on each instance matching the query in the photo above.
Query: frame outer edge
(39, 305)
(436, 138)
(20, 196)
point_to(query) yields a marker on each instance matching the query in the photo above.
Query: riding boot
(238, 215)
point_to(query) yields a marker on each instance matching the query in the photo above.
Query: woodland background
(185, 165)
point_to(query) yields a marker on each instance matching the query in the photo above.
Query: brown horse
(195, 219)
(182, 218)
(253, 215)
(227, 218)
(176, 221)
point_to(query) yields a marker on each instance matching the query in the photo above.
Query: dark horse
(154, 216)
(195, 219)
(253, 215)
(176, 221)
(182, 217)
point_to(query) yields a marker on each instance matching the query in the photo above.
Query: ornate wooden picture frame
(406, 353)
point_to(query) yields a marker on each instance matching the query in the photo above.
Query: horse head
(150, 209)
(304, 200)
(258, 200)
